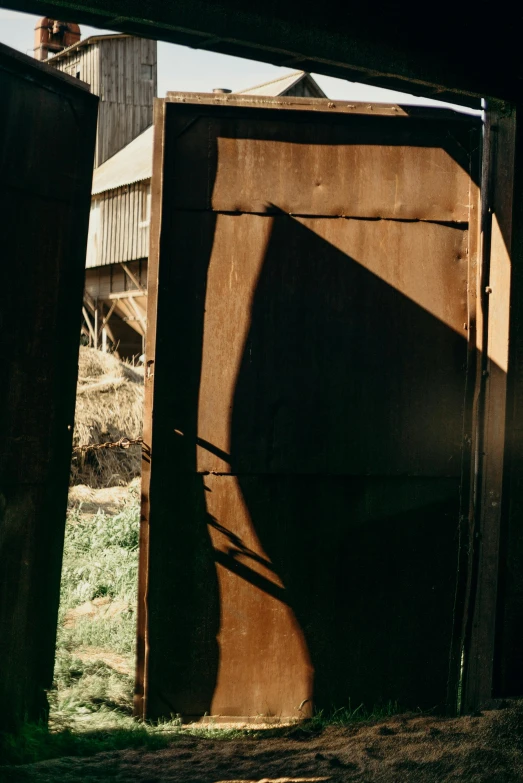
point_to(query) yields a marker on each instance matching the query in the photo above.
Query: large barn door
(310, 368)
(47, 136)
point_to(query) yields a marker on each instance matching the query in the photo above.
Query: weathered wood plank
(39, 341)
(508, 668)
(480, 649)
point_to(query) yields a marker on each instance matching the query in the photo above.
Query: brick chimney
(51, 36)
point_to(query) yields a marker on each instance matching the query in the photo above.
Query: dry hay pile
(109, 406)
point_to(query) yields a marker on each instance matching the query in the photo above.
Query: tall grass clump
(97, 617)
(100, 557)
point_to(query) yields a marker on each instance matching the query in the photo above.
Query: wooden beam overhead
(379, 43)
(127, 294)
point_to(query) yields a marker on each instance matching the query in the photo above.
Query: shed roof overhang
(452, 51)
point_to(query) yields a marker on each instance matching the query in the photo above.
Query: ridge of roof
(85, 41)
(283, 84)
(297, 74)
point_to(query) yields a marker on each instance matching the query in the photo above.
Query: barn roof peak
(282, 84)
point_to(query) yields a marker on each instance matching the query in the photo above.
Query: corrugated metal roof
(133, 163)
(281, 85)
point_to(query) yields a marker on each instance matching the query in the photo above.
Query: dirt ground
(487, 748)
(107, 499)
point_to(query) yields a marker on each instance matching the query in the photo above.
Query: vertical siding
(111, 279)
(126, 108)
(113, 68)
(95, 236)
(118, 228)
(85, 61)
(119, 225)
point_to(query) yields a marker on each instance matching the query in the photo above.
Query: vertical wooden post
(89, 325)
(495, 295)
(508, 679)
(96, 325)
(96, 328)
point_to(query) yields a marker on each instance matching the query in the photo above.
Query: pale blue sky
(194, 70)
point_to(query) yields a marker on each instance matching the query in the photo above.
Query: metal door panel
(306, 400)
(361, 169)
(294, 299)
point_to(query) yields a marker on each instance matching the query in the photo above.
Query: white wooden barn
(122, 71)
(117, 250)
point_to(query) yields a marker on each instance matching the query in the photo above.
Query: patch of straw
(109, 405)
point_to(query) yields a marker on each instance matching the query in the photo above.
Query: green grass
(100, 562)
(107, 729)
(91, 701)
(347, 716)
(100, 558)
(38, 743)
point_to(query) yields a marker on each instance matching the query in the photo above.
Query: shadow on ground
(486, 748)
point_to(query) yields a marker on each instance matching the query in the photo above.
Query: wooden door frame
(473, 623)
(490, 503)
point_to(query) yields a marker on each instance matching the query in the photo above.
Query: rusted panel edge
(281, 212)
(470, 437)
(319, 105)
(472, 539)
(142, 647)
(189, 109)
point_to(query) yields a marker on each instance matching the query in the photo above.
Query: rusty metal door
(47, 136)
(310, 360)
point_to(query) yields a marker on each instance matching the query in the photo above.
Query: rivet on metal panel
(465, 326)
(488, 290)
